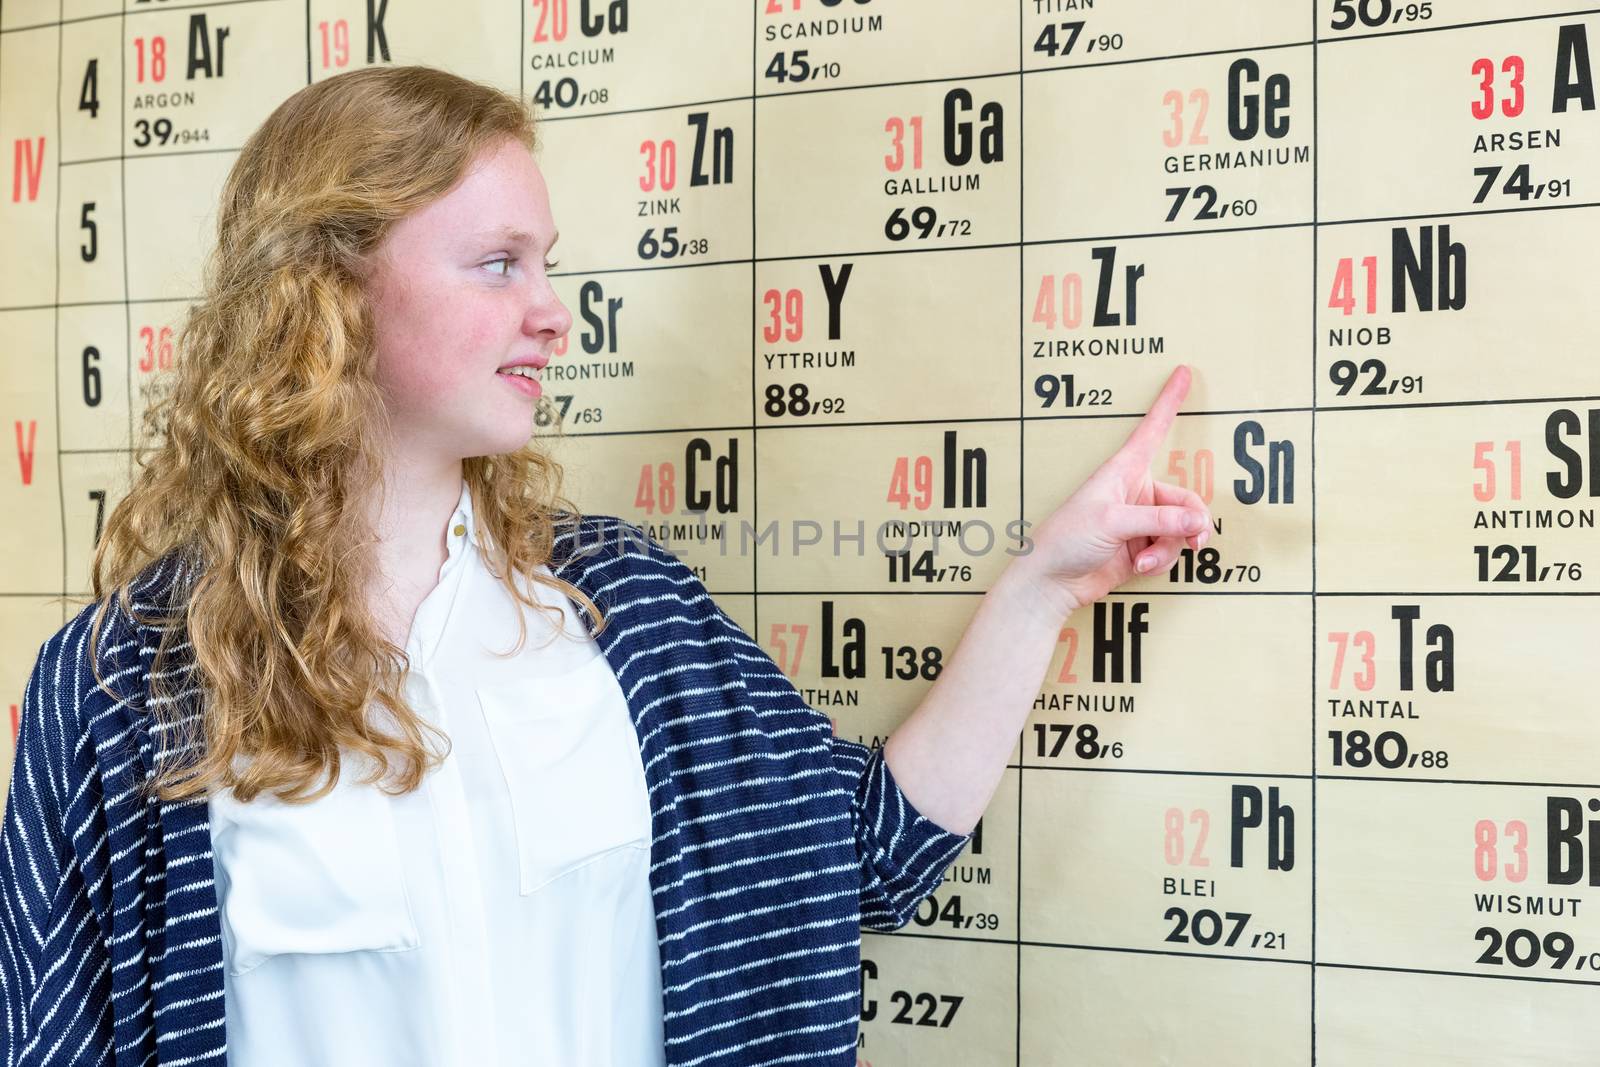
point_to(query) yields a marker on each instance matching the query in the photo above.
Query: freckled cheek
(440, 346)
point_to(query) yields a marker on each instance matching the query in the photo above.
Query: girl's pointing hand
(1120, 522)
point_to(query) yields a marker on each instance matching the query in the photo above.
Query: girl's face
(458, 290)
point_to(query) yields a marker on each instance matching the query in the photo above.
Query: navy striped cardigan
(774, 841)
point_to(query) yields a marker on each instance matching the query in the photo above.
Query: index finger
(1141, 443)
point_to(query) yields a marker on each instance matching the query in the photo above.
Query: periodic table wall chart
(861, 290)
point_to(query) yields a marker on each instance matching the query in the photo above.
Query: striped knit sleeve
(903, 854)
(33, 848)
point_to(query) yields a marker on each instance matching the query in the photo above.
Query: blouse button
(460, 529)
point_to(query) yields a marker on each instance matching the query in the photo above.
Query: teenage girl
(356, 758)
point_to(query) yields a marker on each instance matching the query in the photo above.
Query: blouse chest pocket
(314, 878)
(570, 755)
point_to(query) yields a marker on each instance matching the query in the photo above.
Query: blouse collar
(462, 522)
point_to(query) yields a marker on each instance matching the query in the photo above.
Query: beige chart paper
(861, 290)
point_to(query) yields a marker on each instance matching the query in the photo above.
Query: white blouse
(501, 914)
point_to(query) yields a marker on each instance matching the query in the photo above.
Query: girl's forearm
(949, 754)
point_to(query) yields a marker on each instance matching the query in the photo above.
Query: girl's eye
(508, 260)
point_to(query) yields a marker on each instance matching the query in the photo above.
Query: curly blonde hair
(270, 438)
